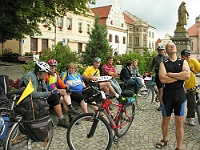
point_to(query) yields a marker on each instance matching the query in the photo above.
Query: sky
(161, 14)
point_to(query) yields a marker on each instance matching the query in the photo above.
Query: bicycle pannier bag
(38, 129)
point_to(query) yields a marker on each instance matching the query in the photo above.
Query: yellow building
(71, 29)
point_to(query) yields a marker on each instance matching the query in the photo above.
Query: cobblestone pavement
(144, 133)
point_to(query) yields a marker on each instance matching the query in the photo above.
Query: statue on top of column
(183, 15)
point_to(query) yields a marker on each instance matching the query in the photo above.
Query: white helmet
(42, 67)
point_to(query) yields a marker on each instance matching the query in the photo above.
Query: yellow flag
(28, 90)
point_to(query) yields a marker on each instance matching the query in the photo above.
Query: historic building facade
(112, 16)
(71, 29)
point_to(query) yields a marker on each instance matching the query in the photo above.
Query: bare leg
(160, 94)
(58, 110)
(165, 125)
(83, 105)
(179, 131)
(108, 85)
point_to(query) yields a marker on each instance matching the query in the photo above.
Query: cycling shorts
(173, 99)
(53, 100)
(77, 96)
(158, 83)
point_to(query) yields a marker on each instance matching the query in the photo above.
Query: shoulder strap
(95, 72)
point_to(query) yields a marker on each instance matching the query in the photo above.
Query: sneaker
(62, 123)
(159, 108)
(143, 88)
(190, 121)
(73, 111)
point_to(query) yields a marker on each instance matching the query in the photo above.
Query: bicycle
(198, 103)
(97, 127)
(17, 136)
(146, 97)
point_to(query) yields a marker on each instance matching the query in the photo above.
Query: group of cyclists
(61, 90)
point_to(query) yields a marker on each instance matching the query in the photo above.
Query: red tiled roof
(193, 30)
(127, 19)
(102, 12)
(157, 42)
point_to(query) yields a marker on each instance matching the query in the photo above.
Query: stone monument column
(181, 38)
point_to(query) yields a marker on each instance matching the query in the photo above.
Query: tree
(98, 45)
(21, 17)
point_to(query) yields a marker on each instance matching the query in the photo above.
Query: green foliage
(62, 53)
(98, 45)
(144, 60)
(29, 66)
(20, 17)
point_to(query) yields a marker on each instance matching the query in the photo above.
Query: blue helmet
(2, 126)
(160, 47)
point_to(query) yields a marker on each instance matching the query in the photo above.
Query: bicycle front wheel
(79, 128)
(125, 119)
(145, 98)
(19, 139)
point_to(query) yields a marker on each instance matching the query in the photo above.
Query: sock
(70, 106)
(61, 117)
(117, 95)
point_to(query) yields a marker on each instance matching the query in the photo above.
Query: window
(34, 43)
(152, 34)
(122, 25)
(80, 27)
(124, 40)
(149, 33)
(116, 39)
(130, 40)
(137, 41)
(152, 45)
(44, 44)
(88, 28)
(80, 45)
(60, 22)
(144, 40)
(69, 23)
(110, 37)
(111, 22)
(149, 45)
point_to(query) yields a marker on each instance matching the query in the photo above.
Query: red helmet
(52, 62)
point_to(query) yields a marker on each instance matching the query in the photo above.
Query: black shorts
(173, 99)
(158, 83)
(53, 100)
(77, 96)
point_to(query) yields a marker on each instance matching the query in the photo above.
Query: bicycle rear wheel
(145, 98)
(125, 119)
(77, 134)
(18, 139)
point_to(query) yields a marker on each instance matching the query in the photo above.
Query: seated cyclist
(127, 77)
(55, 84)
(92, 73)
(75, 82)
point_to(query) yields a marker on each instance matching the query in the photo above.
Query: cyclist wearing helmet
(37, 76)
(55, 84)
(155, 64)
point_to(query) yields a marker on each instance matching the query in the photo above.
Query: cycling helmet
(52, 62)
(2, 126)
(160, 47)
(42, 67)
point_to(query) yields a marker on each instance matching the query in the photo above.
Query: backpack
(4, 87)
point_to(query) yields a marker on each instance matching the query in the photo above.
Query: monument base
(181, 40)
